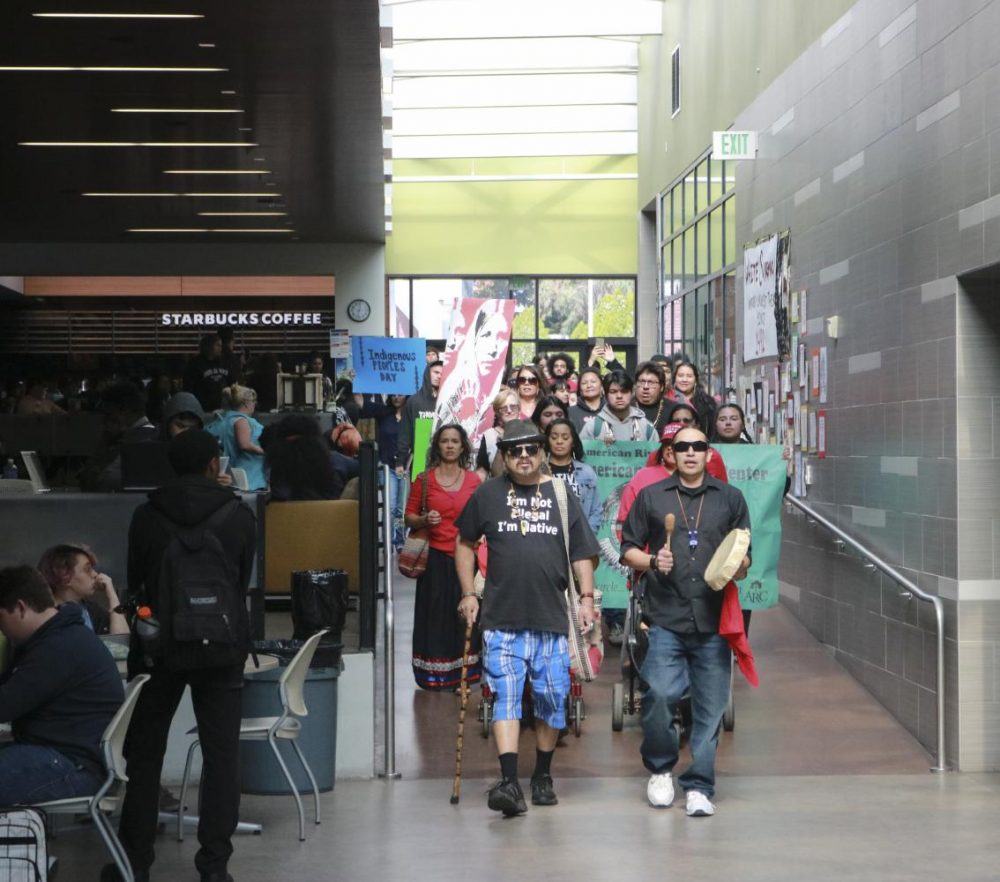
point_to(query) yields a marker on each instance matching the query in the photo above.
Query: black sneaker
(542, 792)
(506, 796)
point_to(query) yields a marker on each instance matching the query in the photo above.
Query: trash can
(260, 771)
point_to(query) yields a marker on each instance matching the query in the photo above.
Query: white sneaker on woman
(660, 790)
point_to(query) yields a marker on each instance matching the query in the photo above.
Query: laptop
(145, 465)
(36, 472)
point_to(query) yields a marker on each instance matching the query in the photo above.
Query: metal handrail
(914, 590)
(389, 633)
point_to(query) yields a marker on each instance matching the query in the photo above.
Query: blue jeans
(30, 773)
(674, 662)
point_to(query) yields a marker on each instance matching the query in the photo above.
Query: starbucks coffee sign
(234, 319)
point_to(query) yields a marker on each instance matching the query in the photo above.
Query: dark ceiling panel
(306, 73)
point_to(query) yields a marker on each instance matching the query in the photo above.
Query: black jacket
(186, 501)
(420, 404)
(62, 690)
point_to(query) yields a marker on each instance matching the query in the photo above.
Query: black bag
(202, 611)
(319, 600)
(23, 849)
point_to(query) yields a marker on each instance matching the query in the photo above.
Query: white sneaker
(660, 790)
(699, 805)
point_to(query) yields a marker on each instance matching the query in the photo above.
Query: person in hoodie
(216, 690)
(589, 397)
(421, 404)
(59, 711)
(181, 412)
(619, 419)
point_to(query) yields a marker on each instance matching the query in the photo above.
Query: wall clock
(358, 310)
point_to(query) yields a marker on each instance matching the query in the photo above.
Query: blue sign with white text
(390, 365)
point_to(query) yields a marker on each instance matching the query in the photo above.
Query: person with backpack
(190, 554)
(619, 419)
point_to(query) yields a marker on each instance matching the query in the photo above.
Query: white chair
(11, 486)
(100, 805)
(286, 726)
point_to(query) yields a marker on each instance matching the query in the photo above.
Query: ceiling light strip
(37, 68)
(217, 171)
(242, 214)
(177, 110)
(279, 230)
(266, 195)
(138, 144)
(476, 179)
(116, 15)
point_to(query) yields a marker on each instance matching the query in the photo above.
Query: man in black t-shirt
(524, 617)
(685, 647)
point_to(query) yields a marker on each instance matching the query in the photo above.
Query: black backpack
(202, 611)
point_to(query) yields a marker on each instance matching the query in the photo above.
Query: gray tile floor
(817, 782)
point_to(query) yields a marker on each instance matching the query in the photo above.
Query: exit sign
(734, 145)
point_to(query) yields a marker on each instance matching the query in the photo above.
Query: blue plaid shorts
(510, 656)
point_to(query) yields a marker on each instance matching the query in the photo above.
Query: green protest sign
(759, 472)
(615, 464)
(422, 431)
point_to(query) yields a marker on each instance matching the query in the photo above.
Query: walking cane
(464, 686)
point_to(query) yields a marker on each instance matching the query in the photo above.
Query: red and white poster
(474, 361)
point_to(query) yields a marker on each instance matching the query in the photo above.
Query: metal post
(389, 634)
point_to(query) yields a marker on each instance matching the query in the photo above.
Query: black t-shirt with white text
(527, 572)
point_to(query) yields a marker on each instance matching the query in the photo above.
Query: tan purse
(580, 644)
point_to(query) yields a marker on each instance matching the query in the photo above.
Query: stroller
(626, 695)
(576, 710)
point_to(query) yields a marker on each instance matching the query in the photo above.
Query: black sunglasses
(527, 381)
(685, 446)
(523, 450)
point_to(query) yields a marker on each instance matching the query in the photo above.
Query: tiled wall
(880, 151)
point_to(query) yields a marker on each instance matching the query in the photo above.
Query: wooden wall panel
(179, 286)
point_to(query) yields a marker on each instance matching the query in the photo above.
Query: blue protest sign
(391, 365)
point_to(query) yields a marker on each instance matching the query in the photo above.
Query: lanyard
(692, 533)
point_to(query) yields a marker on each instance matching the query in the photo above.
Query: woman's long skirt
(438, 631)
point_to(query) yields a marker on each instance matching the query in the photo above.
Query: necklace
(517, 513)
(442, 483)
(692, 532)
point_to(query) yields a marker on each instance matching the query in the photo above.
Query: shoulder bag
(586, 651)
(413, 555)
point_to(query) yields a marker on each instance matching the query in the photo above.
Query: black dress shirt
(681, 600)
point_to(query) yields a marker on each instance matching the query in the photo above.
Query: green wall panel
(731, 50)
(510, 227)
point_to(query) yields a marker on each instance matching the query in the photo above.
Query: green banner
(615, 465)
(758, 470)
(423, 430)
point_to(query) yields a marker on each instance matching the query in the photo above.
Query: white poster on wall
(760, 286)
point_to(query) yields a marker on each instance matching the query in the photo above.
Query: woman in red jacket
(438, 634)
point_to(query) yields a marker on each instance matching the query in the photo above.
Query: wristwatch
(652, 563)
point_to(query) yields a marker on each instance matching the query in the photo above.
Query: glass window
(486, 288)
(701, 255)
(525, 310)
(399, 297)
(688, 197)
(612, 308)
(521, 353)
(729, 223)
(433, 301)
(715, 241)
(562, 308)
(715, 182)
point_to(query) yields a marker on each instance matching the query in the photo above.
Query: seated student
(61, 692)
(71, 571)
